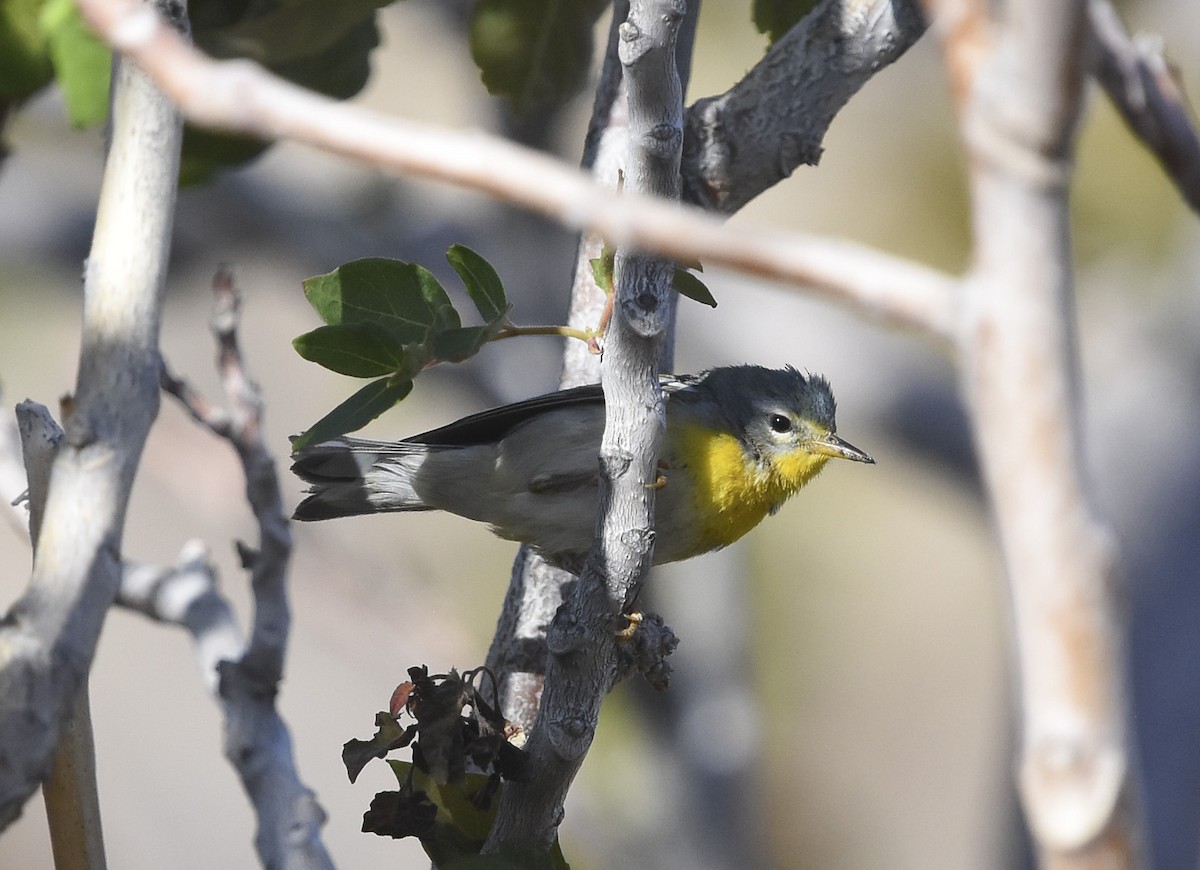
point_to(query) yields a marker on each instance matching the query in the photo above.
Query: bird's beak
(835, 447)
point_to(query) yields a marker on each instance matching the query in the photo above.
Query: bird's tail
(352, 476)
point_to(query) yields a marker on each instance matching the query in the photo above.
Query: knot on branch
(565, 635)
(644, 314)
(571, 736)
(646, 652)
(652, 24)
(639, 542)
(663, 141)
(1071, 784)
(616, 463)
(797, 149)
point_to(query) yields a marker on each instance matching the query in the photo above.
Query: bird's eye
(780, 423)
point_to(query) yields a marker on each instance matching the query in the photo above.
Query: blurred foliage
(319, 45)
(322, 46)
(82, 65)
(776, 17)
(42, 39)
(24, 54)
(537, 53)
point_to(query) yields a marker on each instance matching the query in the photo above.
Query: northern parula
(739, 442)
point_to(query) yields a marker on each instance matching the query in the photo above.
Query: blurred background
(853, 706)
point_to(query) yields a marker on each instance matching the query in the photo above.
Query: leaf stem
(584, 335)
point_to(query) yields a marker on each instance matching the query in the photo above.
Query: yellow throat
(732, 493)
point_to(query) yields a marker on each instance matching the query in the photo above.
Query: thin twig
(71, 793)
(14, 486)
(257, 742)
(1144, 89)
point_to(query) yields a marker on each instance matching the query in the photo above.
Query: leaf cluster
(390, 320)
(44, 39)
(460, 754)
(319, 45)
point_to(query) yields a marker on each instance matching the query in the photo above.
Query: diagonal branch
(241, 97)
(1142, 86)
(743, 142)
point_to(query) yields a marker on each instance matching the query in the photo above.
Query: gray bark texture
(49, 636)
(584, 656)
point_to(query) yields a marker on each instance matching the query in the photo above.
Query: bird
(739, 442)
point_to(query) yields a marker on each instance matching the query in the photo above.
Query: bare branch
(1143, 87)
(49, 636)
(748, 139)
(186, 594)
(518, 652)
(13, 487)
(584, 658)
(241, 97)
(70, 792)
(41, 438)
(1020, 78)
(246, 680)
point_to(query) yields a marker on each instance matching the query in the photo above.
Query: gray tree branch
(257, 742)
(71, 793)
(186, 594)
(48, 637)
(1021, 75)
(584, 656)
(517, 655)
(745, 141)
(1142, 86)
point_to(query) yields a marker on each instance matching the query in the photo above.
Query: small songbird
(739, 442)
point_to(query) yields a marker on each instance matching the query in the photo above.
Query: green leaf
(405, 299)
(389, 735)
(777, 17)
(360, 350)
(24, 55)
(457, 345)
(456, 803)
(276, 33)
(687, 284)
(603, 268)
(482, 283)
(82, 63)
(445, 318)
(357, 411)
(537, 53)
